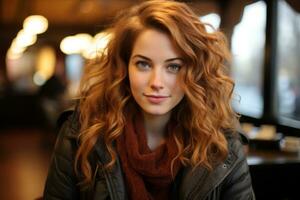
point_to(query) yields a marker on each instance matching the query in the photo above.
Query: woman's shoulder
(237, 183)
(68, 131)
(61, 180)
(236, 137)
(236, 142)
(69, 117)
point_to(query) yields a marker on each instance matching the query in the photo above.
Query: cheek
(135, 81)
(134, 86)
(180, 92)
(176, 85)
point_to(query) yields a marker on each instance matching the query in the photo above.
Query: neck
(156, 125)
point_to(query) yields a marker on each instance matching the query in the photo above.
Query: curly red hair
(204, 113)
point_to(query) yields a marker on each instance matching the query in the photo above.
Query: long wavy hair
(204, 114)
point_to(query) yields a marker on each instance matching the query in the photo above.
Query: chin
(156, 112)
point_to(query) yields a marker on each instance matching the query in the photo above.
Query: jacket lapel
(198, 183)
(114, 178)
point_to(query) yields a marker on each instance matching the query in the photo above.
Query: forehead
(154, 43)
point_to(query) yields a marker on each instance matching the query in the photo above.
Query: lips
(156, 99)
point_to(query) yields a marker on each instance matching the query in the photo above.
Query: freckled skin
(154, 73)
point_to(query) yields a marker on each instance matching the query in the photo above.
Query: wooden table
(275, 174)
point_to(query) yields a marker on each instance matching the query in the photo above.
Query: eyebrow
(168, 60)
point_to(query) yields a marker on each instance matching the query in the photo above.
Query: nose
(156, 80)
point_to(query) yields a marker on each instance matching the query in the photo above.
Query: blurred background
(44, 45)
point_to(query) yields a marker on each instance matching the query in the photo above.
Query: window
(247, 44)
(288, 63)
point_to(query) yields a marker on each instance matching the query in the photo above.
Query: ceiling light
(35, 24)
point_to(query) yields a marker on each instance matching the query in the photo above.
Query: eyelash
(144, 65)
(172, 66)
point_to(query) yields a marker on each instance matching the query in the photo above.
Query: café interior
(45, 45)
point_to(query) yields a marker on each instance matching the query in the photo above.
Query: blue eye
(174, 68)
(142, 65)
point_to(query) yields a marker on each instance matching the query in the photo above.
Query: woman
(154, 119)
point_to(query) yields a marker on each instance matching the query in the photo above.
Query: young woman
(154, 119)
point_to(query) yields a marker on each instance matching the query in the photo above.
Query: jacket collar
(197, 183)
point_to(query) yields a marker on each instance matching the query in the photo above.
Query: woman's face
(155, 68)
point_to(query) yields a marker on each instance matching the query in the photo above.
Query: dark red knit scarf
(147, 173)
